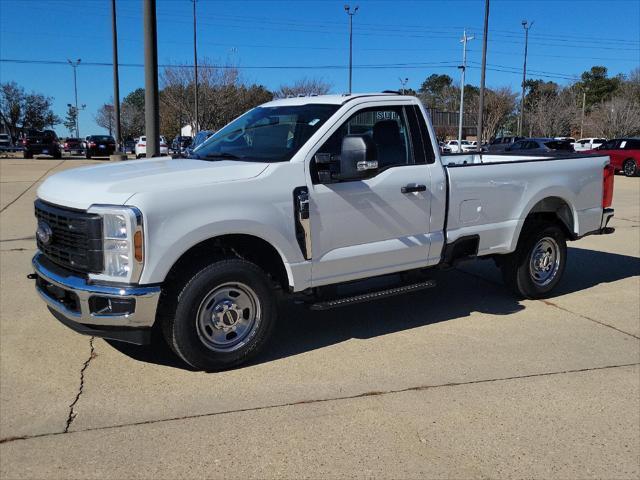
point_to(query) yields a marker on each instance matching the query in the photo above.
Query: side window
(421, 137)
(387, 129)
(633, 145)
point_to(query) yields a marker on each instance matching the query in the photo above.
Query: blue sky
(392, 39)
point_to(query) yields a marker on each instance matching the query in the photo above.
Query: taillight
(142, 144)
(25, 141)
(92, 144)
(66, 145)
(607, 186)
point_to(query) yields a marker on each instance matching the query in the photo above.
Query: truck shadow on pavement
(474, 287)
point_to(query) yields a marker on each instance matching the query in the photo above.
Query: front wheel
(224, 315)
(630, 168)
(537, 265)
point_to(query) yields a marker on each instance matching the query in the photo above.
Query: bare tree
(105, 117)
(499, 104)
(554, 114)
(618, 117)
(304, 86)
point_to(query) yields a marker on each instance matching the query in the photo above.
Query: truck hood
(115, 183)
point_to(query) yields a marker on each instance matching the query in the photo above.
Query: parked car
(444, 148)
(300, 207)
(100, 146)
(465, 146)
(129, 146)
(41, 143)
(500, 144)
(141, 147)
(585, 144)
(180, 144)
(5, 141)
(73, 145)
(624, 154)
(199, 139)
(540, 145)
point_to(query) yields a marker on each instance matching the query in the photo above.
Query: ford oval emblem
(44, 232)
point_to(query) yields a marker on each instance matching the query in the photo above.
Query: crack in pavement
(30, 186)
(551, 304)
(72, 408)
(30, 237)
(548, 302)
(323, 400)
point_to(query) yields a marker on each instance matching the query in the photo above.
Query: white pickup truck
(295, 199)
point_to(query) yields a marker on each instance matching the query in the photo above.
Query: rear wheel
(537, 265)
(26, 154)
(630, 168)
(87, 155)
(223, 316)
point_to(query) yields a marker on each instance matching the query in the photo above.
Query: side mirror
(357, 157)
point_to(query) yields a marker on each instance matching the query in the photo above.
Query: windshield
(266, 134)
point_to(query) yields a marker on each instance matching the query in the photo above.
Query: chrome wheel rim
(228, 317)
(544, 261)
(629, 168)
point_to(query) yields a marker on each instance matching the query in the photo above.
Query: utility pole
(463, 68)
(116, 78)
(195, 64)
(524, 74)
(347, 9)
(403, 82)
(151, 102)
(483, 71)
(75, 64)
(584, 104)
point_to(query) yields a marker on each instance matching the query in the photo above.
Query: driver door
(363, 227)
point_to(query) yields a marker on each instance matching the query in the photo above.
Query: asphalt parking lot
(460, 381)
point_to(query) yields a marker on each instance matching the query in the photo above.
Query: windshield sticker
(314, 121)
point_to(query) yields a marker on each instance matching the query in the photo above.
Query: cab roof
(327, 99)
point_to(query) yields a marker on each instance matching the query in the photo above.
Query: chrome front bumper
(76, 302)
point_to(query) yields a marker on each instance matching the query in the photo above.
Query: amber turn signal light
(137, 245)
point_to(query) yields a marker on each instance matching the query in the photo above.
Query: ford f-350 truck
(297, 198)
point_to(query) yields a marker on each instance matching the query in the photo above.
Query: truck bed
(490, 195)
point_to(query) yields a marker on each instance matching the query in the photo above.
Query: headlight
(122, 244)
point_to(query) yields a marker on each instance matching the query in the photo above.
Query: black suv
(100, 146)
(41, 143)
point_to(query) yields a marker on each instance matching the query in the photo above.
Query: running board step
(367, 297)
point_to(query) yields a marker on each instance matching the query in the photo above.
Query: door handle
(413, 188)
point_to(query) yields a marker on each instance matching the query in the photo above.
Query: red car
(624, 154)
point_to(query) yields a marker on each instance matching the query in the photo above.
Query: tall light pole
(151, 101)
(483, 71)
(584, 104)
(75, 64)
(116, 79)
(403, 82)
(195, 64)
(526, 25)
(463, 68)
(351, 13)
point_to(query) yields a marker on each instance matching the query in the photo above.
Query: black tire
(87, 155)
(57, 155)
(190, 324)
(629, 167)
(26, 154)
(527, 277)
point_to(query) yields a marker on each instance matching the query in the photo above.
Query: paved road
(458, 381)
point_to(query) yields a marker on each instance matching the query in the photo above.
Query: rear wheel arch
(552, 209)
